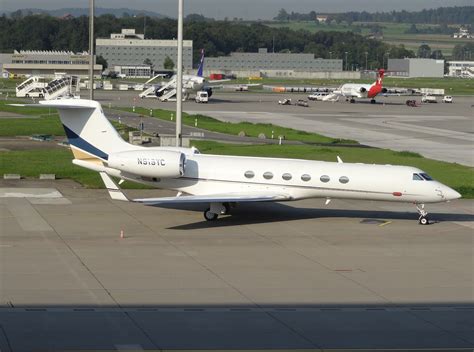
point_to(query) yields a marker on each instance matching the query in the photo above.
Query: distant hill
(76, 12)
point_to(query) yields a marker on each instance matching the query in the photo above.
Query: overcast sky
(248, 9)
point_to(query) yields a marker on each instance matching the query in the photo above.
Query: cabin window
(249, 174)
(268, 175)
(286, 176)
(324, 178)
(343, 179)
(305, 177)
(417, 177)
(426, 177)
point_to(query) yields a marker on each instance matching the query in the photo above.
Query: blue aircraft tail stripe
(201, 64)
(77, 141)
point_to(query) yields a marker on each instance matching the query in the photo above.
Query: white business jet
(221, 181)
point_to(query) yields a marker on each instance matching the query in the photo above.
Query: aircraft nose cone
(451, 194)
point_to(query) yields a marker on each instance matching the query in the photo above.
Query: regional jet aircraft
(220, 181)
(362, 91)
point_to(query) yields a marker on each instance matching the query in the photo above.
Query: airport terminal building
(131, 49)
(272, 64)
(48, 63)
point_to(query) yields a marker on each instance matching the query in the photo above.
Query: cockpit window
(417, 177)
(427, 177)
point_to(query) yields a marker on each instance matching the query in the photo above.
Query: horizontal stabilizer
(114, 191)
(216, 198)
(63, 104)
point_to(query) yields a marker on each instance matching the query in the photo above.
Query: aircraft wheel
(424, 220)
(210, 216)
(372, 101)
(352, 101)
(226, 209)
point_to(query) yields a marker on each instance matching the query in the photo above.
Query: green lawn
(8, 85)
(250, 129)
(41, 121)
(28, 126)
(393, 33)
(52, 161)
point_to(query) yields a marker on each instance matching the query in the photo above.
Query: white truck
(447, 99)
(202, 97)
(429, 99)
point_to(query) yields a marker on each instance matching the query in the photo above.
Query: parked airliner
(191, 84)
(362, 91)
(221, 181)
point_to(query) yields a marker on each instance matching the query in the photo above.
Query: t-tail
(201, 64)
(380, 76)
(91, 136)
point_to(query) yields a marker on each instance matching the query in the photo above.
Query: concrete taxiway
(295, 275)
(439, 131)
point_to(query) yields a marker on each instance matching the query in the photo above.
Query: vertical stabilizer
(201, 64)
(90, 134)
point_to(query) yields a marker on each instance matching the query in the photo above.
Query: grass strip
(250, 129)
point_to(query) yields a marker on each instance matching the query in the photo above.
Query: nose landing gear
(423, 219)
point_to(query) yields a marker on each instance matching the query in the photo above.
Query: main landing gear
(372, 101)
(216, 209)
(423, 219)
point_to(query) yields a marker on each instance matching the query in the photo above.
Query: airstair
(170, 94)
(32, 87)
(331, 97)
(67, 86)
(468, 72)
(148, 93)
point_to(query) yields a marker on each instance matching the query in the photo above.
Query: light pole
(91, 49)
(366, 57)
(330, 55)
(388, 57)
(346, 58)
(179, 76)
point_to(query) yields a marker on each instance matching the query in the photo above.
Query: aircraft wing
(216, 198)
(116, 193)
(215, 81)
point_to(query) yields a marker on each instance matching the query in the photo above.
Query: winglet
(114, 191)
(339, 160)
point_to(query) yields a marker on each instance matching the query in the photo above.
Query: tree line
(43, 32)
(441, 15)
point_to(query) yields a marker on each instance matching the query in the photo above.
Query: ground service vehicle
(447, 99)
(429, 99)
(284, 102)
(301, 102)
(202, 97)
(317, 96)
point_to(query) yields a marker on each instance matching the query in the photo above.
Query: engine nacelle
(149, 163)
(384, 90)
(209, 91)
(362, 90)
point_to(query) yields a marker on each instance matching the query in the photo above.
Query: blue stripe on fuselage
(78, 142)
